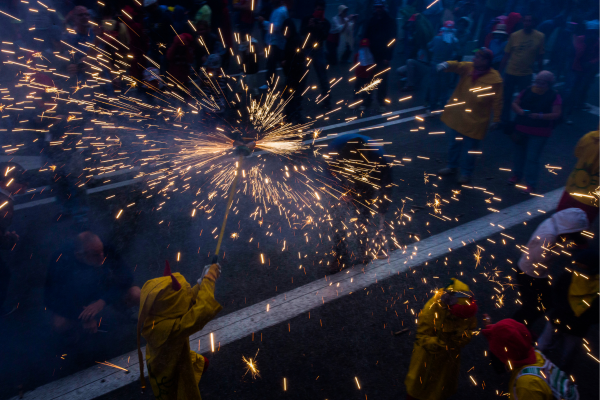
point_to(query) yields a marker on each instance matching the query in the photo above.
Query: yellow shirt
(584, 177)
(524, 49)
(529, 387)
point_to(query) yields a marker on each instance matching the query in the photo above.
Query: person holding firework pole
(171, 310)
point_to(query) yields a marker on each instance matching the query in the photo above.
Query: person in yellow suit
(171, 310)
(582, 188)
(445, 327)
(511, 345)
(468, 113)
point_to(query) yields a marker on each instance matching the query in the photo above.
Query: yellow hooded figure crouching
(171, 310)
(444, 328)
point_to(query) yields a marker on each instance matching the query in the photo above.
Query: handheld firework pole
(242, 152)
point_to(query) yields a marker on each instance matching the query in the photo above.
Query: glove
(210, 272)
(442, 66)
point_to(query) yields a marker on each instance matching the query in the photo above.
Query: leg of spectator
(454, 148)
(468, 160)
(4, 281)
(520, 140)
(548, 338)
(569, 343)
(411, 73)
(382, 88)
(509, 87)
(535, 145)
(321, 70)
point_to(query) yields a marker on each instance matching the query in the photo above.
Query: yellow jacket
(434, 366)
(167, 318)
(473, 123)
(584, 177)
(529, 387)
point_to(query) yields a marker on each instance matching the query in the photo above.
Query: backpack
(558, 381)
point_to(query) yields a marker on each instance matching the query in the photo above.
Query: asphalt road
(356, 337)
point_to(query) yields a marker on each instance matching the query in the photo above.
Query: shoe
(264, 88)
(528, 189)
(362, 108)
(464, 179)
(381, 109)
(447, 171)
(513, 180)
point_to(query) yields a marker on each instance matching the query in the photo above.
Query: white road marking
(93, 382)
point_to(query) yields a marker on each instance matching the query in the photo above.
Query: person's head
(81, 19)
(510, 341)
(528, 23)
(320, 8)
(379, 8)
(203, 28)
(483, 59)
(459, 300)
(500, 32)
(543, 81)
(342, 11)
(463, 24)
(569, 223)
(89, 249)
(11, 177)
(213, 63)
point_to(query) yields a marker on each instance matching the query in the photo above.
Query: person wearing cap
(380, 31)
(524, 48)
(510, 345)
(445, 326)
(170, 311)
(339, 24)
(497, 44)
(468, 113)
(82, 279)
(274, 39)
(575, 307)
(11, 182)
(538, 108)
(561, 231)
(444, 46)
(582, 183)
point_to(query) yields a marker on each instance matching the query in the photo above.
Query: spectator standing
(584, 68)
(583, 180)
(417, 35)
(575, 308)
(498, 44)
(274, 38)
(80, 282)
(339, 25)
(245, 17)
(381, 31)
(538, 108)
(564, 228)
(180, 57)
(445, 326)
(318, 27)
(491, 10)
(10, 177)
(364, 73)
(463, 35)
(79, 19)
(250, 64)
(347, 38)
(442, 47)
(524, 48)
(468, 123)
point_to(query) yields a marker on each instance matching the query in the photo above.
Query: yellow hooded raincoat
(584, 177)
(434, 366)
(167, 318)
(473, 117)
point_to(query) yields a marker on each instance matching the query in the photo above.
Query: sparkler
(251, 366)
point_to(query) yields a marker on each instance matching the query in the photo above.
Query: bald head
(90, 249)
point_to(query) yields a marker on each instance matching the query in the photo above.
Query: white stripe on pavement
(95, 381)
